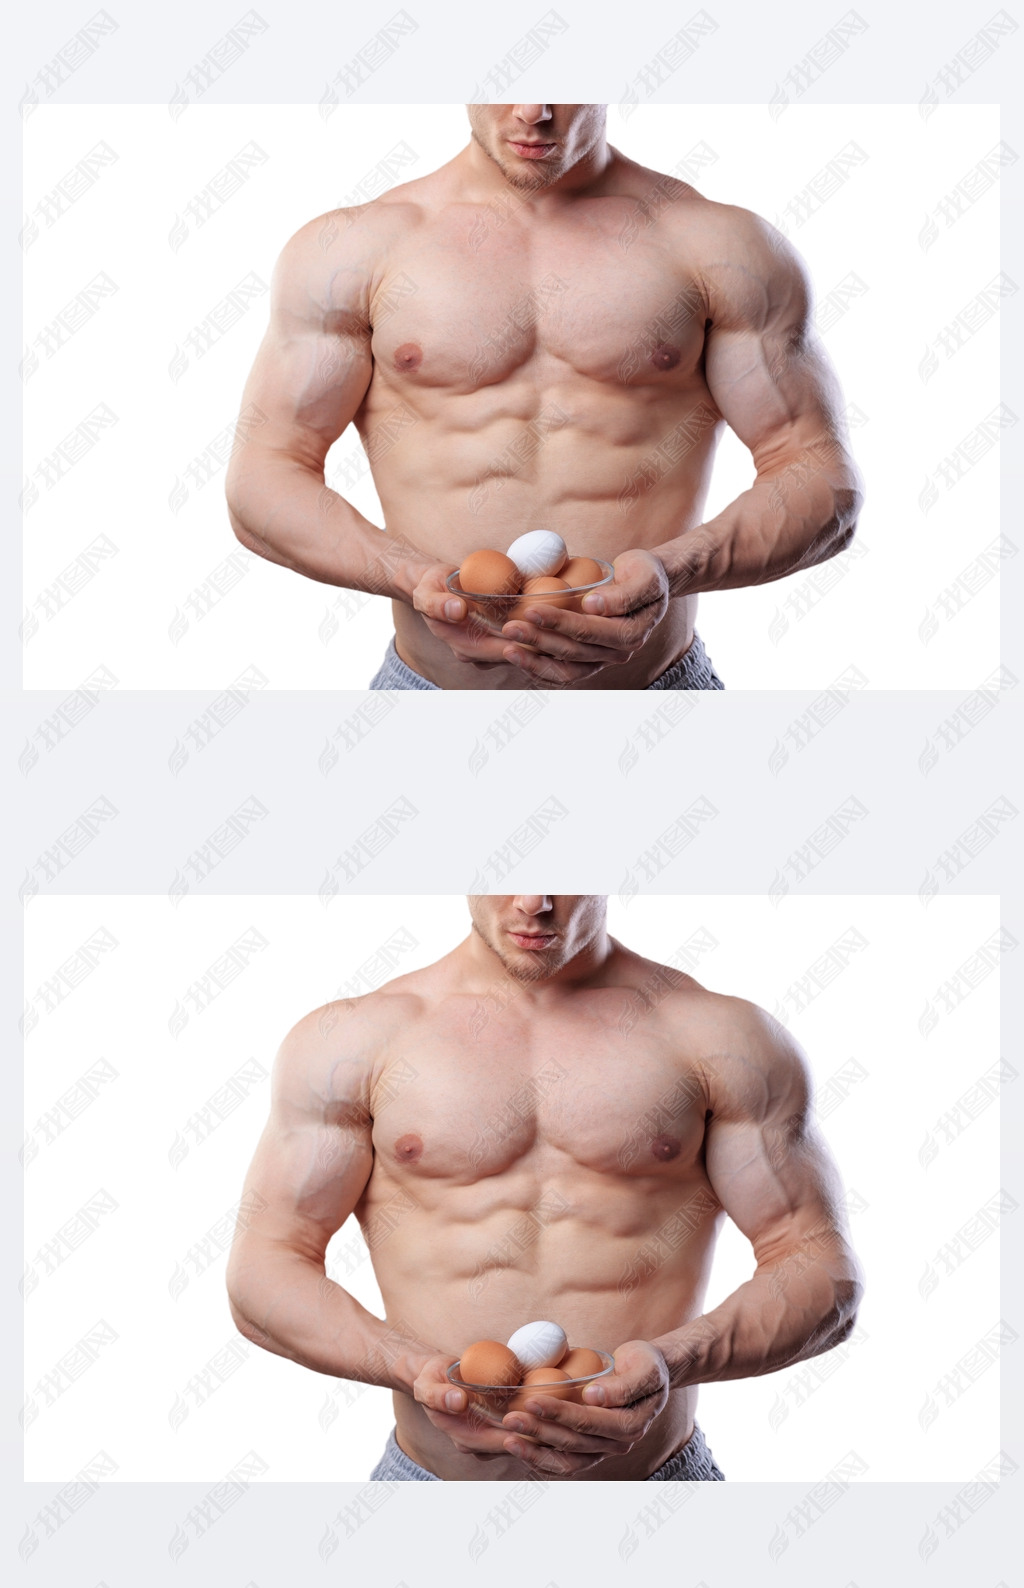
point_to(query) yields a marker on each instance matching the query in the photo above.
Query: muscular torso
(528, 1168)
(538, 371)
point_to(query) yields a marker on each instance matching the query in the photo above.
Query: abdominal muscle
(592, 1287)
(630, 472)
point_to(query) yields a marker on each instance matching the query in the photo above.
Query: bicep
(767, 1163)
(314, 365)
(764, 365)
(314, 1158)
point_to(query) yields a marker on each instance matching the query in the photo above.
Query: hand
(450, 618)
(617, 1412)
(452, 1411)
(615, 623)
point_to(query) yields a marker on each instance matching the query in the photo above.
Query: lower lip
(533, 943)
(533, 151)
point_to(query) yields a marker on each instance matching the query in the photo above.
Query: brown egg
(489, 573)
(581, 570)
(488, 1362)
(545, 583)
(579, 1362)
(542, 1381)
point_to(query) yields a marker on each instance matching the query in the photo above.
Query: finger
(625, 1422)
(433, 598)
(621, 1392)
(547, 670)
(552, 1462)
(578, 1438)
(468, 646)
(470, 1436)
(616, 632)
(441, 1397)
(646, 605)
(440, 605)
(565, 647)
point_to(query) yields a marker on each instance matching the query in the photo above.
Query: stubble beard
(530, 180)
(526, 966)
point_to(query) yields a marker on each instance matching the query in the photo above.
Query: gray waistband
(694, 1463)
(693, 670)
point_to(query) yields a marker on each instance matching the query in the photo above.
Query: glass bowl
(493, 611)
(491, 1402)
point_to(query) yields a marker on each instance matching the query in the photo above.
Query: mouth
(532, 151)
(533, 941)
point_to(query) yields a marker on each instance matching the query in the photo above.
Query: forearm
(792, 517)
(282, 510)
(286, 1304)
(786, 1313)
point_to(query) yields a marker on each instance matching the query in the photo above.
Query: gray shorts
(693, 670)
(694, 1463)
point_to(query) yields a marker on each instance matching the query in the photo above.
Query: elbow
(846, 507)
(841, 1319)
(236, 510)
(240, 1302)
(239, 1319)
(240, 517)
(243, 535)
(235, 1302)
(837, 532)
(848, 504)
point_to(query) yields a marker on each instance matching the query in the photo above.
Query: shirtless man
(544, 1125)
(544, 334)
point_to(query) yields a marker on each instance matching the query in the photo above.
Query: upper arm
(314, 1158)
(764, 365)
(314, 365)
(766, 1161)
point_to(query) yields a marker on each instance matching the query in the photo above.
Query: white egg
(539, 1344)
(536, 554)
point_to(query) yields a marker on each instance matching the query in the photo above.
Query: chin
(529, 178)
(531, 184)
(530, 966)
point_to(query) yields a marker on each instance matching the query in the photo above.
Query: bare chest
(462, 1106)
(563, 298)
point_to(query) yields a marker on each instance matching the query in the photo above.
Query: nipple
(665, 357)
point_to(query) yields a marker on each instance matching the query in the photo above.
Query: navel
(408, 1148)
(665, 1148)
(408, 357)
(665, 357)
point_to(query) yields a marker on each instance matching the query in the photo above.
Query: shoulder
(356, 228)
(752, 1064)
(351, 1032)
(745, 267)
(330, 1061)
(747, 1059)
(353, 1025)
(338, 257)
(748, 267)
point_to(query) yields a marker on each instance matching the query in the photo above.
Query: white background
(134, 223)
(911, 1186)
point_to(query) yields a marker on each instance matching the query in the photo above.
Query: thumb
(435, 601)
